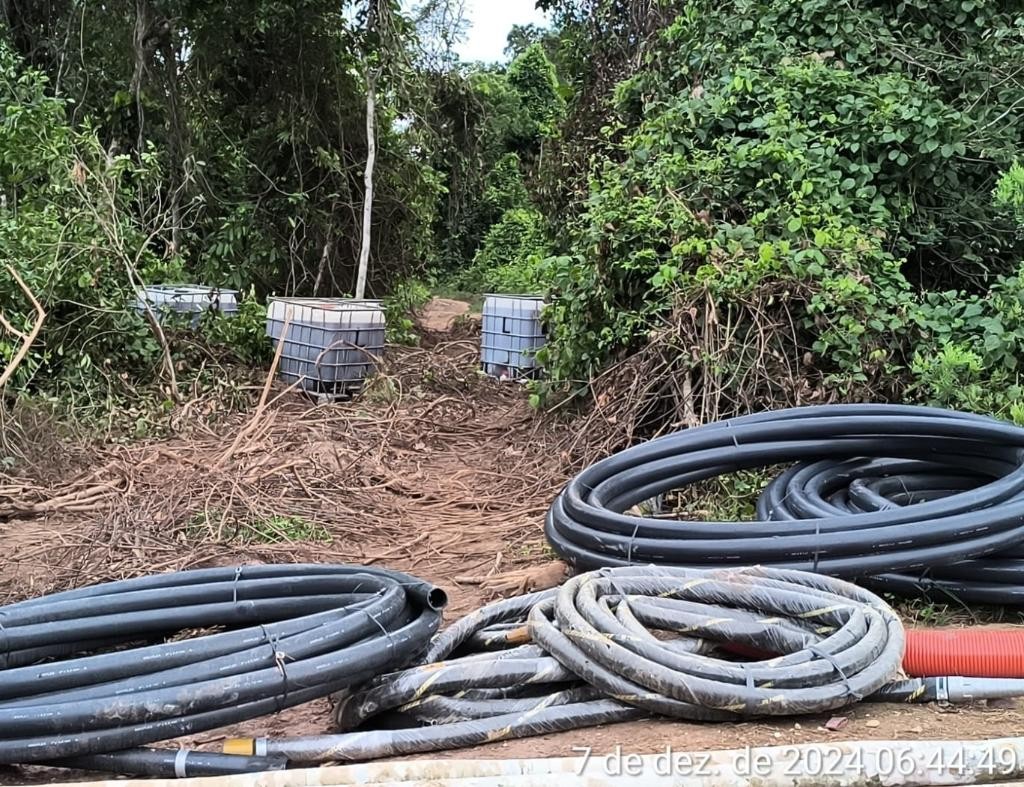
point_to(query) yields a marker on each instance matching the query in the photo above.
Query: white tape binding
(179, 763)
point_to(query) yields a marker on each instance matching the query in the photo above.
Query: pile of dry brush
(432, 468)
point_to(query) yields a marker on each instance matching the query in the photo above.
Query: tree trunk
(143, 24)
(371, 159)
(178, 138)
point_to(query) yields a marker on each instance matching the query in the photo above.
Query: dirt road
(439, 472)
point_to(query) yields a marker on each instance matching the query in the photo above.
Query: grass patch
(272, 530)
(380, 389)
(934, 614)
(535, 550)
(732, 498)
(280, 529)
(728, 498)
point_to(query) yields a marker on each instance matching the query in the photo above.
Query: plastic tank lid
(184, 288)
(514, 296)
(328, 304)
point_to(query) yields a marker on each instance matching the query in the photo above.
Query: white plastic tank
(193, 299)
(510, 335)
(331, 344)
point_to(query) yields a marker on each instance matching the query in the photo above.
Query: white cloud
(489, 24)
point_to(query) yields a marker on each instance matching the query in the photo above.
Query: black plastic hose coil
(595, 658)
(917, 499)
(600, 626)
(293, 633)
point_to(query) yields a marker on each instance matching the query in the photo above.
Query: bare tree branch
(28, 338)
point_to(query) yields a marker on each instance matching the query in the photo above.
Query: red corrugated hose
(971, 652)
(936, 653)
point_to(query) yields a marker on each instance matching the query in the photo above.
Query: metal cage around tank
(188, 300)
(331, 345)
(510, 335)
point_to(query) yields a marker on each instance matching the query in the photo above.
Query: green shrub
(784, 176)
(399, 307)
(244, 334)
(532, 76)
(69, 227)
(504, 189)
(511, 257)
(1009, 192)
(955, 376)
(968, 354)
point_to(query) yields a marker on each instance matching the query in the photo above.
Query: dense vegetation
(812, 185)
(774, 201)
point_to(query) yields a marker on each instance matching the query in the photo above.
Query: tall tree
(373, 15)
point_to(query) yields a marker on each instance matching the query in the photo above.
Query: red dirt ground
(442, 475)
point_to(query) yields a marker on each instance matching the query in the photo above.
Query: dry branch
(440, 479)
(261, 406)
(30, 337)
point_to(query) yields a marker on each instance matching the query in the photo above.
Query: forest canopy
(756, 202)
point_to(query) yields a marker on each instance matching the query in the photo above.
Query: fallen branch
(165, 348)
(262, 405)
(519, 581)
(30, 337)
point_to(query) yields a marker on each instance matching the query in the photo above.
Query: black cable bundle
(914, 499)
(293, 633)
(591, 657)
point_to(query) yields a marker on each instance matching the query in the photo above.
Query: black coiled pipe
(837, 488)
(102, 669)
(918, 500)
(172, 763)
(595, 658)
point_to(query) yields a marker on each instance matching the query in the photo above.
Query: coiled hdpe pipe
(294, 633)
(172, 763)
(919, 500)
(585, 654)
(594, 660)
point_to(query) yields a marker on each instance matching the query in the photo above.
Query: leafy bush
(244, 334)
(955, 376)
(969, 351)
(789, 180)
(532, 76)
(399, 307)
(1009, 193)
(497, 121)
(69, 227)
(503, 188)
(511, 257)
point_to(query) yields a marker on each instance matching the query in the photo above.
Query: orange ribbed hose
(970, 652)
(938, 653)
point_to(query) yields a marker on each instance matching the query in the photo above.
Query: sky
(489, 24)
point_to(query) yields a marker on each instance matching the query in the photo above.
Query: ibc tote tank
(510, 335)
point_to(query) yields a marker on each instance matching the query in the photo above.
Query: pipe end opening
(437, 599)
